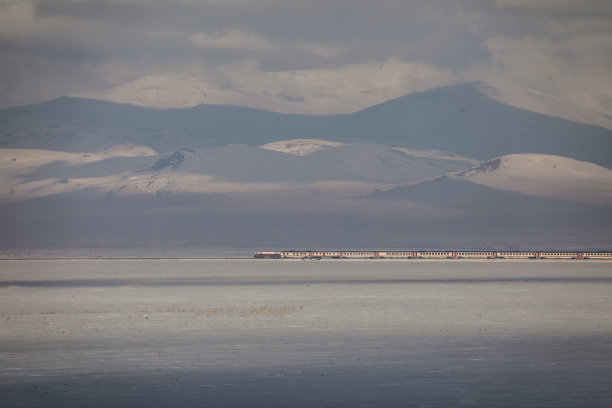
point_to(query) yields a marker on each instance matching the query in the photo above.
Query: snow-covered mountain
(543, 103)
(458, 119)
(444, 167)
(309, 91)
(239, 195)
(538, 175)
(341, 169)
(545, 176)
(464, 120)
(169, 207)
(374, 162)
(292, 92)
(498, 202)
(382, 163)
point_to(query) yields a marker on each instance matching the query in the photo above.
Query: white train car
(516, 255)
(559, 255)
(435, 254)
(295, 254)
(474, 255)
(361, 254)
(597, 255)
(399, 255)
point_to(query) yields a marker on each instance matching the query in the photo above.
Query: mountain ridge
(458, 119)
(234, 176)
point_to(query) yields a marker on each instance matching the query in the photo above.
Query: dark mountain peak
(173, 160)
(448, 94)
(484, 167)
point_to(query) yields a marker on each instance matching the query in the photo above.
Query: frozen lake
(245, 333)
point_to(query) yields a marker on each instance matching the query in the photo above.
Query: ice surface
(173, 333)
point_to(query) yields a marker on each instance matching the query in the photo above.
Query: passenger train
(394, 254)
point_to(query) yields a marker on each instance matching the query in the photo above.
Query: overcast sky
(50, 48)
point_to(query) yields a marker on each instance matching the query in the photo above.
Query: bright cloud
(231, 40)
(315, 91)
(341, 52)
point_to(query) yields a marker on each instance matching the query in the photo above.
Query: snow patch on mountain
(546, 104)
(304, 147)
(545, 176)
(300, 147)
(27, 174)
(39, 181)
(375, 162)
(307, 91)
(320, 91)
(18, 158)
(174, 90)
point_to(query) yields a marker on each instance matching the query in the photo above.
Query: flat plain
(249, 333)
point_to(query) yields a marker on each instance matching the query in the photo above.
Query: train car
(295, 254)
(475, 255)
(399, 255)
(361, 254)
(597, 255)
(560, 255)
(435, 254)
(516, 255)
(312, 254)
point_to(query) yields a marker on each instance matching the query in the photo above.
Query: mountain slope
(495, 217)
(346, 169)
(463, 120)
(449, 212)
(230, 176)
(545, 176)
(219, 197)
(375, 162)
(85, 125)
(459, 119)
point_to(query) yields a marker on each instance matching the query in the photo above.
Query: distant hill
(464, 120)
(451, 167)
(461, 119)
(501, 178)
(73, 124)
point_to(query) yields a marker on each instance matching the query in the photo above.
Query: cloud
(232, 40)
(55, 47)
(342, 89)
(593, 7)
(572, 60)
(15, 17)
